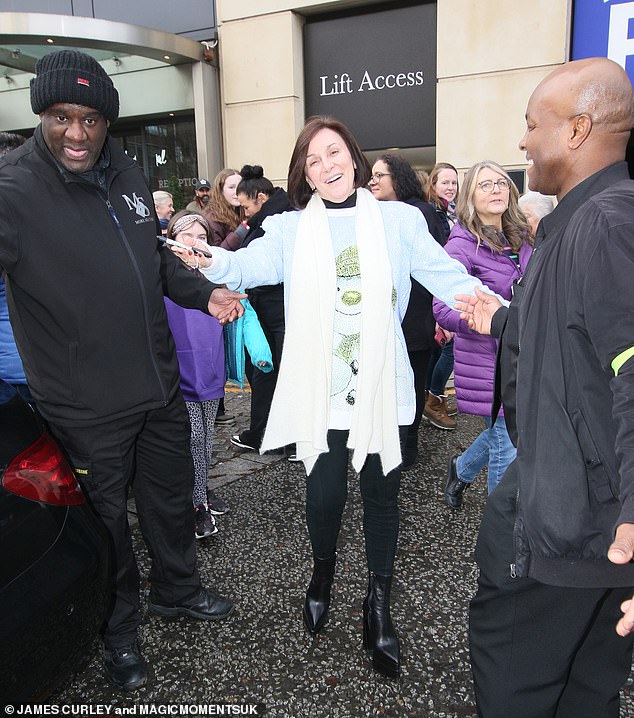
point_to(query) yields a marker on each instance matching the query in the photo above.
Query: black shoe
(224, 419)
(379, 636)
(217, 505)
(454, 487)
(205, 605)
(204, 522)
(237, 440)
(317, 600)
(125, 667)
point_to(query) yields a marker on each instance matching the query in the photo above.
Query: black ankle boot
(454, 487)
(379, 635)
(318, 594)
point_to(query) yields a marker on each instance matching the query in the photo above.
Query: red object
(83, 81)
(41, 473)
(439, 337)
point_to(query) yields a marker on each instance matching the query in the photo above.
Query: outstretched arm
(478, 310)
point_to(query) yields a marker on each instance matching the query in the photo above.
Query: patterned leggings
(202, 415)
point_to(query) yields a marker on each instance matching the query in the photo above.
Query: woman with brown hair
(440, 410)
(224, 215)
(345, 382)
(394, 179)
(223, 212)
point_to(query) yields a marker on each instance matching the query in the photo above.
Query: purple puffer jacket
(474, 354)
(200, 351)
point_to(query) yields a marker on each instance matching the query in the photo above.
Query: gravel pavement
(261, 558)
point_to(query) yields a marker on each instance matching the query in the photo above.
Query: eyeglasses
(377, 176)
(488, 185)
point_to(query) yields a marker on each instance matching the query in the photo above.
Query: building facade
(445, 80)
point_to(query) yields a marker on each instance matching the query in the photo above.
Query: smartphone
(440, 338)
(195, 250)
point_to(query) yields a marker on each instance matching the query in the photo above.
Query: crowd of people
(348, 299)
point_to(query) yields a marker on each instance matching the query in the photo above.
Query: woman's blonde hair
(218, 208)
(514, 225)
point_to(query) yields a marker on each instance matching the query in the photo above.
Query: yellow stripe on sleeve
(619, 360)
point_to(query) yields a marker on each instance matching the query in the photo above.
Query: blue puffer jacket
(246, 333)
(474, 354)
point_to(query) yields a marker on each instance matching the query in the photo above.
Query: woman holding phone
(201, 358)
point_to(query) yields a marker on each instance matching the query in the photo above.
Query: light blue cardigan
(412, 250)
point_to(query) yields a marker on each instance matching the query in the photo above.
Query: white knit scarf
(300, 408)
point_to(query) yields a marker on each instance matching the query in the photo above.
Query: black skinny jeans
(326, 494)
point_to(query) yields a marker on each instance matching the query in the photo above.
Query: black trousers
(268, 303)
(326, 495)
(540, 651)
(419, 360)
(151, 451)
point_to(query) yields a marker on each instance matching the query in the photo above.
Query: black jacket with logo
(568, 409)
(86, 278)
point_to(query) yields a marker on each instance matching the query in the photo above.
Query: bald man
(557, 536)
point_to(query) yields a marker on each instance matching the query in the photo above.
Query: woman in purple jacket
(492, 240)
(201, 358)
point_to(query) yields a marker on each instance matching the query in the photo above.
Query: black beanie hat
(74, 77)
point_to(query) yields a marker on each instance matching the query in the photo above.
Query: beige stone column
(262, 89)
(491, 55)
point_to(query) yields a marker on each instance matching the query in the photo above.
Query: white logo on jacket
(137, 204)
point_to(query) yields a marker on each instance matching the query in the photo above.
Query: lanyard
(514, 257)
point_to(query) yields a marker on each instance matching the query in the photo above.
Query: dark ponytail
(253, 182)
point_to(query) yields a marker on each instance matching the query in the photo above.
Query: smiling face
(164, 209)
(329, 166)
(381, 184)
(545, 140)
(447, 185)
(229, 190)
(74, 134)
(490, 206)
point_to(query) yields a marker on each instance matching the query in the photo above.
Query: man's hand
(225, 305)
(477, 311)
(622, 551)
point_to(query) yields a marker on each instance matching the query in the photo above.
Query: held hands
(622, 551)
(477, 311)
(225, 305)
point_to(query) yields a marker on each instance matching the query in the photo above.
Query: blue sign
(604, 28)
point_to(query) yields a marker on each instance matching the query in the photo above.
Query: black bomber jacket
(86, 278)
(566, 374)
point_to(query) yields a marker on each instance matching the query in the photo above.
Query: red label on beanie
(83, 81)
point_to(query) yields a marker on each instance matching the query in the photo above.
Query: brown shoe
(451, 404)
(435, 412)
